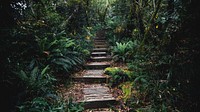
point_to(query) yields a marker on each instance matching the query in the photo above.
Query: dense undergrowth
(43, 40)
(159, 43)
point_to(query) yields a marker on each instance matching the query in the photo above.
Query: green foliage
(37, 80)
(74, 107)
(43, 104)
(64, 55)
(38, 84)
(118, 75)
(159, 39)
(121, 51)
(159, 51)
(41, 43)
(127, 90)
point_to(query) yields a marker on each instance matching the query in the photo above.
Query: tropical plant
(158, 29)
(121, 51)
(74, 107)
(64, 55)
(43, 104)
(37, 81)
(127, 89)
(38, 37)
(118, 75)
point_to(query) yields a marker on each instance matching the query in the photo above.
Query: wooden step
(101, 46)
(105, 103)
(92, 79)
(97, 65)
(97, 96)
(101, 58)
(100, 38)
(100, 49)
(95, 54)
(100, 110)
(100, 43)
(92, 76)
(104, 41)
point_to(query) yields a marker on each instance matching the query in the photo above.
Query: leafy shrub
(64, 55)
(37, 81)
(43, 104)
(126, 88)
(121, 52)
(118, 75)
(38, 94)
(74, 107)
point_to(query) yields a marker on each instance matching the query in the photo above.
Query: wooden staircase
(96, 93)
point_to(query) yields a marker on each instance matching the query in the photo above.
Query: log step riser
(99, 104)
(91, 67)
(91, 80)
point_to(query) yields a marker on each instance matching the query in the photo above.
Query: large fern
(36, 80)
(121, 51)
(62, 53)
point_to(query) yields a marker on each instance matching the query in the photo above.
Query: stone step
(96, 54)
(101, 58)
(97, 65)
(97, 96)
(101, 46)
(100, 49)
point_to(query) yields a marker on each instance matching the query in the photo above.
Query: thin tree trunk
(150, 23)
